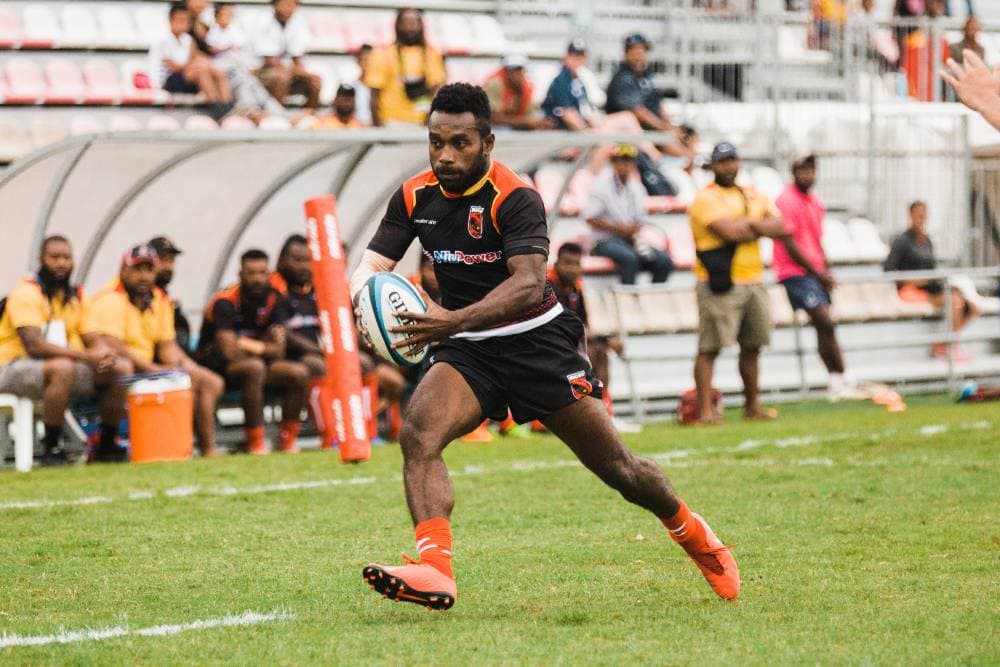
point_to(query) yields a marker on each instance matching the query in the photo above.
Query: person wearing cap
(566, 103)
(343, 116)
(616, 211)
(403, 76)
(510, 93)
(733, 306)
(210, 385)
(166, 258)
(42, 355)
(633, 90)
(799, 264)
(135, 318)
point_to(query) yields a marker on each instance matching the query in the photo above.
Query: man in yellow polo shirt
(136, 319)
(42, 356)
(403, 76)
(726, 221)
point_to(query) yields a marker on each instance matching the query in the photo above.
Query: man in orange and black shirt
(503, 341)
(243, 339)
(293, 280)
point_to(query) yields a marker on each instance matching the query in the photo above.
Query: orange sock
(434, 544)
(683, 528)
(255, 439)
(288, 432)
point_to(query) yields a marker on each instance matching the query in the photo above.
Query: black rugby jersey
(468, 237)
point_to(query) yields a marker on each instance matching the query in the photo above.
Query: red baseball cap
(140, 254)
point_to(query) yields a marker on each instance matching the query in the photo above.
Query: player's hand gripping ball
(383, 297)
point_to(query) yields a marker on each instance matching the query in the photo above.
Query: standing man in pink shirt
(799, 263)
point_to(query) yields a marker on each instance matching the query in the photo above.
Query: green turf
(863, 538)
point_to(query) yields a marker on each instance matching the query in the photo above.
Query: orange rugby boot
(415, 582)
(715, 561)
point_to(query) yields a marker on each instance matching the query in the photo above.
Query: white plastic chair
(868, 245)
(23, 427)
(837, 243)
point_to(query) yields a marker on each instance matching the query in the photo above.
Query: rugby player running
(503, 340)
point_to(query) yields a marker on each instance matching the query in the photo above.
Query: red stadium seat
(85, 124)
(65, 82)
(41, 27)
(123, 123)
(25, 83)
(162, 122)
(681, 245)
(489, 37)
(79, 26)
(10, 28)
(137, 87)
(359, 29)
(664, 204)
(327, 31)
(548, 182)
(200, 122)
(117, 28)
(456, 34)
(237, 123)
(103, 84)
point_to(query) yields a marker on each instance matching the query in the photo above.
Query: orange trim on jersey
(411, 186)
(505, 181)
(553, 277)
(279, 283)
(230, 294)
(472, 189)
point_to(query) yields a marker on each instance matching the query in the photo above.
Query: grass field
(863, 537)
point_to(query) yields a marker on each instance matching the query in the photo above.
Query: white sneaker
(846, 392)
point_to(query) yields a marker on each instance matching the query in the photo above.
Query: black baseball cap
(724, 151)
(164, 246)
(635, 39)
(576, 45)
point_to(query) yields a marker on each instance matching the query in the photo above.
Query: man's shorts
(534, 373)
(176, 83)
(25, 377)
(805, 292)
(741, 315)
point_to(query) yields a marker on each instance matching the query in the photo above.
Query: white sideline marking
(676, 457)
(185, 491)
(69, 637)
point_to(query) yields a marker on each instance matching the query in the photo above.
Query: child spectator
(224, 36)
(178, 69)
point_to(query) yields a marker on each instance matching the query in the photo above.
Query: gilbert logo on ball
(382, 300)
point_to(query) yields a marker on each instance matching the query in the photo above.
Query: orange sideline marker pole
(340, 345)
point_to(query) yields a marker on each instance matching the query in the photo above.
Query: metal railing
(803, 351)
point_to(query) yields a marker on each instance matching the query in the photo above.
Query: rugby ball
(383, 297)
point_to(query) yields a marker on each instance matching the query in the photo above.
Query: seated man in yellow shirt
(403, 76)
(136, 319)
(733, 307)
(42, 355)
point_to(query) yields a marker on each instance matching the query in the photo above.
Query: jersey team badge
(579, 384)
(476, 221)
